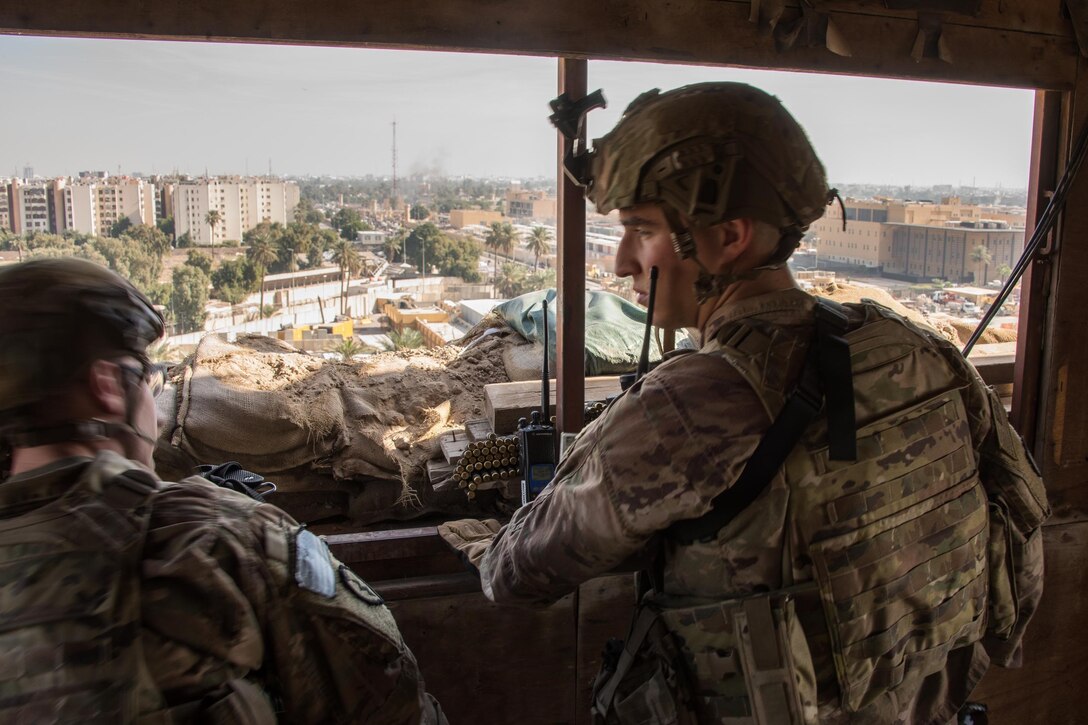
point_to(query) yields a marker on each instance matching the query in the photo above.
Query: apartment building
(241, 202)
(5, 209)
(29, 207)
(94, 205)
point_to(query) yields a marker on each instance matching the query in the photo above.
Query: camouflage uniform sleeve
(659, 454)
(233, 590)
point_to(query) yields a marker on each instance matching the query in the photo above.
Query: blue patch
(313, 568)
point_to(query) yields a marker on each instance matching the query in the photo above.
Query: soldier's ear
(105, 388)
(726, 242)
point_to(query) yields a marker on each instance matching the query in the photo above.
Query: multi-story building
(525, 205)
(92, 204)
(919, 252)
(919, 240)
(5, 209)
(29, 207)
(461, 218)
(241, 203)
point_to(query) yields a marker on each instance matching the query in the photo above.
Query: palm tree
(537, 243)
(1004, 271)
(500, 238)
(349, 348)
(347, 258)
(510, 281)
(980, 255)
(393, 245)
(407, 339)
(261, 253)
(212, 219)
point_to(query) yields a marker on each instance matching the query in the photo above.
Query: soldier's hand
(469, 538)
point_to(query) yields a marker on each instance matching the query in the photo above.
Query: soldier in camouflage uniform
(125, 599)
(870, 590)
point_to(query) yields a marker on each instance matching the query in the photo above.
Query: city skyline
(156, 107)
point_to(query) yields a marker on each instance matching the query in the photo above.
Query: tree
(393, 246)
(408, 338)
(348, 222)
(980, 255)
(347, 258)
(349, 348)
(212, 219)
(537, 243)
(501, 237)
(419, 212)
(306, 213)
(261, 253)
(1004, 271)
(510, 280)
(120, 226)
(189, 297)
(166, 226)
(233, 280)
(200, 260)
(456, 256)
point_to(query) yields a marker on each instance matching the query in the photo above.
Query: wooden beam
(571, 279)
(1063, 418)
(706, 32)
(1045, 168)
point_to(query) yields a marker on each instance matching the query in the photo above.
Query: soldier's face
(646, 243)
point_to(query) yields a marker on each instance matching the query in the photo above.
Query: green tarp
(614, 329)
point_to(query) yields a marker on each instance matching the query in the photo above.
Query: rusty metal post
(571, 274)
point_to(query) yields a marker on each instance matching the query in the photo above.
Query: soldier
(857, 560)
(127, 599)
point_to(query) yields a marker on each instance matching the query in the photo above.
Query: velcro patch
(354, 584)
(313, 569)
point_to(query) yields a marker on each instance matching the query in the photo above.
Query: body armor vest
(893, 560)
(70, 645)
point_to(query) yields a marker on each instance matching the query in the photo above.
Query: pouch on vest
(741, 661)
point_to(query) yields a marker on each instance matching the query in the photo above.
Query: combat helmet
(710, 153)
(56, 317)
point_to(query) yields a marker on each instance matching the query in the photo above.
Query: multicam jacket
(142, 601)
(662, 452)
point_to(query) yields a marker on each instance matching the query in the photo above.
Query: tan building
(920, 252)
(93, 204)
(876, 237)
(242, 203)
(29, 207)
(461, 218)
(530, 205)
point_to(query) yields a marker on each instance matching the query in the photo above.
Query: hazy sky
(72, 105)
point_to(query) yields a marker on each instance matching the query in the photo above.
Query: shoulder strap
(826, 372)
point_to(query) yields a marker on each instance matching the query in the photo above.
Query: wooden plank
(1049, 688)
(487, 663)
(387, 544)
(571, 277)
(453, 444)
(1035, 16)
(707, 32)
(504, 403)
(478, 430)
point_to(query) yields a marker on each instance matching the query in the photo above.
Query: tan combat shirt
(220, 601)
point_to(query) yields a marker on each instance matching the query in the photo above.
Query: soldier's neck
(771, 280)
(27, 459)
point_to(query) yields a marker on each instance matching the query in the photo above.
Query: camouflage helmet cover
(56, 316)
(713, 152)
